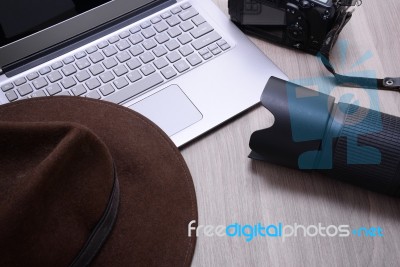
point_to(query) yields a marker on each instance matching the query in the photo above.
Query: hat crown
(55, 183)
(152, 188)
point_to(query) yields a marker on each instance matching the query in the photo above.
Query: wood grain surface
(231, 188)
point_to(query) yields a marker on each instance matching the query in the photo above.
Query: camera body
(300, 24)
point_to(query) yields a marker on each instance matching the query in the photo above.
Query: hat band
(102, 230)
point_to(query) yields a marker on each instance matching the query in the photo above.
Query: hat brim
(157, 196)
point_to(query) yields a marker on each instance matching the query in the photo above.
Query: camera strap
(391, 84)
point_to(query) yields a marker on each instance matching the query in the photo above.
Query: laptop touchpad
(170, 109)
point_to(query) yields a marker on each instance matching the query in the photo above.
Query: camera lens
(312, 132)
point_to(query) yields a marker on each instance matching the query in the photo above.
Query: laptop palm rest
(170, 109)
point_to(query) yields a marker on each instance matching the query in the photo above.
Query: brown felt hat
(84, 181)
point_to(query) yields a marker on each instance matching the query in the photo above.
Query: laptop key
(135, 39)
(135, 88)
(172, 45)
(80, 55)
(155, 20)
(148, 33)
(102, 44)
(203, 51)
(201, 30)
(188, 13)
(149, 44)
(133, 64)
(82, 76)
(221, 42)
(206, 40)
(91, 49)
(159, 51)
(211, 47)
(166, 15)
(173, 56)
(19, 81)
(194, 59)
(93, 83)
(94, 95)
(197, 20)
(161, 38)
(134, 29)
(82, 63)
(32, 76)
(53, 89)
(120, 70)
(172, 21)
(110, 63)
(106, 77)
(68, 60)
(78, 90)
(186, 50)
(40, 83)
(145, 24)
(44, 70)
(186, 5)
(54, 76)
(160, 63)
(7, 86)
(161, 26)
(124, 56)
(136, 50)
(146, 57)
(181, 66)
(175, 31)
(206, 56)
(96, 57)
(225, 47)
(168, 72)
(134, 76)
(186, 26)
(68, 82)
(11, 96)
(121, 82)
(25, 89)
(113, 39)
(216, 51)
(56, 65)
(96, 69)
(176, 10)
(185, 38)
(39, 93)
(107, 89)
(68, 70)
(124, 34)
(122, 45)
(147, 69)
(109, 51)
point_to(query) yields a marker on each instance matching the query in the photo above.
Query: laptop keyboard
(129, 63)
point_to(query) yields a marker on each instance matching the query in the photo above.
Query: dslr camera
(300, 24)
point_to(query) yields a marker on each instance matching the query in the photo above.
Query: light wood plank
(231, 188)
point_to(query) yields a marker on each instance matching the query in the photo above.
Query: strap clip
(392, 83)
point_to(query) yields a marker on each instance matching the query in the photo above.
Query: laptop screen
(20, 18)
(28, 27)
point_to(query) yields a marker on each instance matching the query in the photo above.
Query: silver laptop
(182, 64)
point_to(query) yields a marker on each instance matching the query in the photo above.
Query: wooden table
(232, 188)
